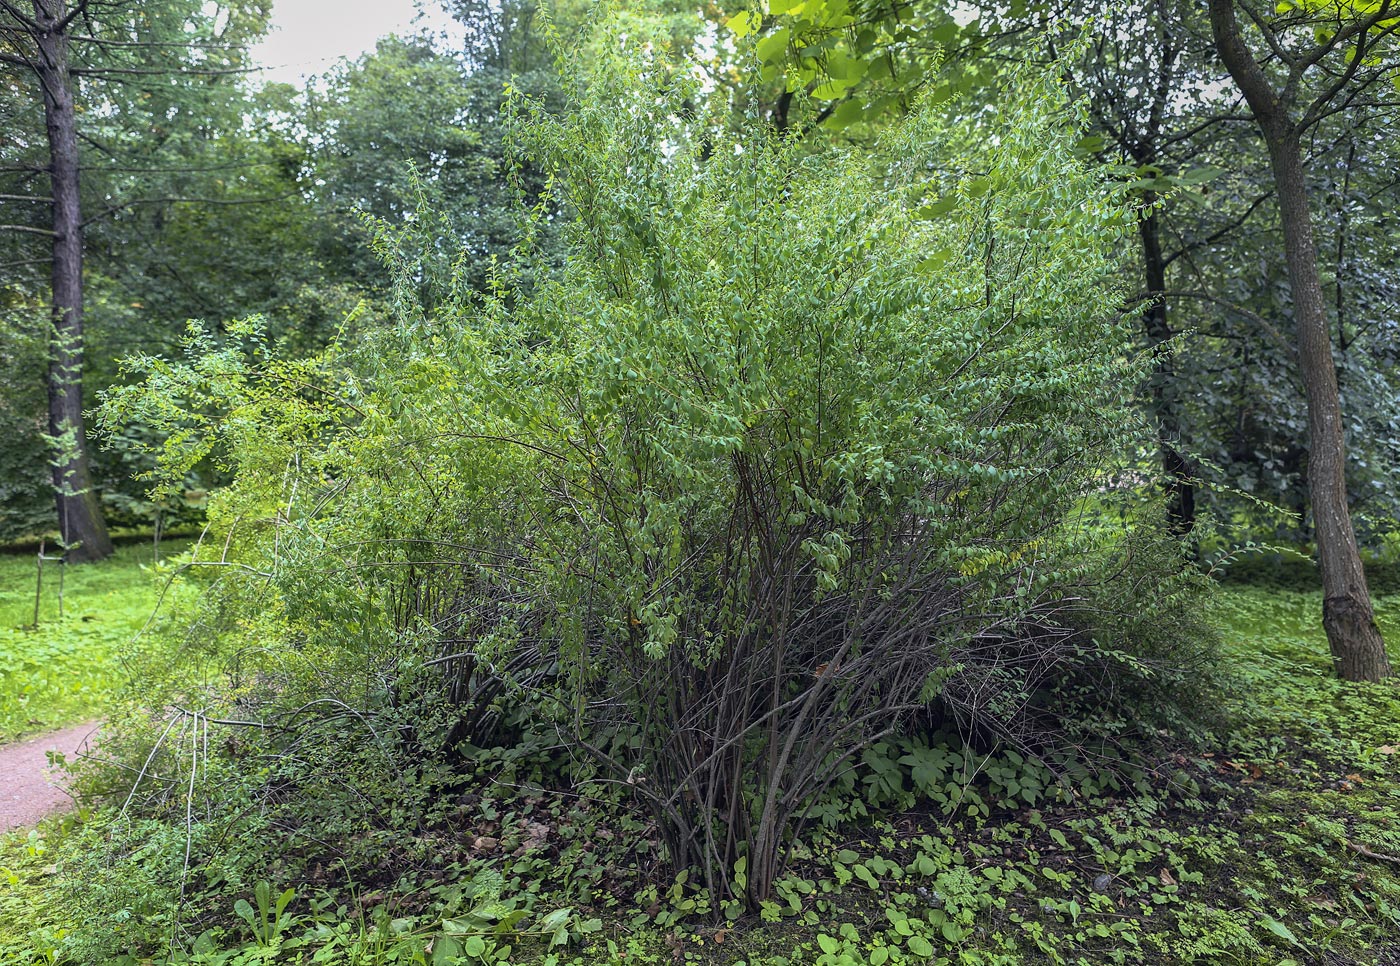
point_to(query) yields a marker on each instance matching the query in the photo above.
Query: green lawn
(65, 670)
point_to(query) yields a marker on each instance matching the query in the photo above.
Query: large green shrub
(794, 444)
(811, 436)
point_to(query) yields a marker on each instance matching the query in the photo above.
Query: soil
(29, 788)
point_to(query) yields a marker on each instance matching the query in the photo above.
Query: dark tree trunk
(1166, 403)
(1358, 650)
(80, 520)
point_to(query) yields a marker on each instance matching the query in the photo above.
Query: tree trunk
(80, 522)
(1166, 404)
(1358, 650)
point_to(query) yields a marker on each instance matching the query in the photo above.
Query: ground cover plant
(1272, 840)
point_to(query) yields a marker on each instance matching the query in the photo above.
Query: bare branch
(1270, 37)
(1346, 32)
(1229, 227)
(151, 44)
(118, 72)
(15, 11)
(30, 229)
(79, 10)
(26, 261)
(1315, 110)
(189, 201)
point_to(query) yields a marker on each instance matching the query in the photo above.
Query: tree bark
(1166, 404)
(1358, 650)
(80, 522)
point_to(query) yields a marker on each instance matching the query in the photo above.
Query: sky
(309, 36)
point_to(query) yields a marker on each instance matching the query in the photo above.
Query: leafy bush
(810, 437)
(793, 444)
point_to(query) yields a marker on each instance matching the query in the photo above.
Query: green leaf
(446, 950)
(828, 944)
(555, 919)
(935, 261)
(936, 209)
(920, 946)
(1281, 931)
(1199, 175)
(743, 24)
(774, 46)
(474, 946)
(846, 114)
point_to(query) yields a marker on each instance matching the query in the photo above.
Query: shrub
(793, 444)
(808, 433)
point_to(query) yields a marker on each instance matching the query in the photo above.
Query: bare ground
(29, 789)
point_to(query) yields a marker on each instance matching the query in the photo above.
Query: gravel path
(27, 789)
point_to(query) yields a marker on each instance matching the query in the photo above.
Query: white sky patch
(963, 14)
(309, 36)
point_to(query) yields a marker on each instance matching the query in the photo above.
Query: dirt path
(27, 788)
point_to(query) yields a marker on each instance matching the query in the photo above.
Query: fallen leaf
(1388, 750)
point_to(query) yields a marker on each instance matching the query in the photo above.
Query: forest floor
(1272, 839)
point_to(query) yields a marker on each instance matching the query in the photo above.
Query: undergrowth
(1272, 840)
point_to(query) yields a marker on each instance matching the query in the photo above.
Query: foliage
(26, 502)
(804, 419)
(1242, 847)
(791, 447)
(747, 557)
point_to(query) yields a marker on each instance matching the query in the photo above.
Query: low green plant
(269, 920)
(71, 668)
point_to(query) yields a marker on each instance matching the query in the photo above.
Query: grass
(67, 669)
(1273, 841)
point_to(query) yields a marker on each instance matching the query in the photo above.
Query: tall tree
(1344, 59)
(88, 60)
(80, 522)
